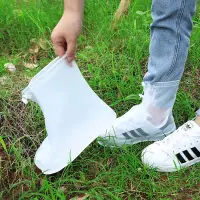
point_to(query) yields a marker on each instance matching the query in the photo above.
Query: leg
(170, 37)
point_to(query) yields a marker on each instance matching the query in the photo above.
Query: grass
(113, 62)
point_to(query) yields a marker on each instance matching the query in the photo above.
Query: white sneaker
(179, 150)
(133, 128)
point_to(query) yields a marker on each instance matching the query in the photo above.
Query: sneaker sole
(119, 143)
(178, 168)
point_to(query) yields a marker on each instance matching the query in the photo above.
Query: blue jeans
(170, 40)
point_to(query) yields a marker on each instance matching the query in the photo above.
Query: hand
(65, 34)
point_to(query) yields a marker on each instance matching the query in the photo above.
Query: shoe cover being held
(74, 114)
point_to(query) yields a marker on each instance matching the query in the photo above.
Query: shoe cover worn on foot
(74, 114)
(179, 150)
(151, 120)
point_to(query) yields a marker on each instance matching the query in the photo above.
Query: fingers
(71, 47)
(58, 45)
(59, 50)
(64, 45)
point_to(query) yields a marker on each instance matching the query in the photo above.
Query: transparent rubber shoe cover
(74, 114)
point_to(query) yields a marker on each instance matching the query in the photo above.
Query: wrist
(72, 13)
(75, 6)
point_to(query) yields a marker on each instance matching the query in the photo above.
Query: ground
(113, 62)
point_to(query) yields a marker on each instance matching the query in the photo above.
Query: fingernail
(70, 59)
(70, 64)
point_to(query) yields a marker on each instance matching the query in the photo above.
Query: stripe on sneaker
(196, 151)
(170, 121)
(180, 158)
(139, 130)
(134, 134)
(164, 127)
(187, 154)
(126, 136)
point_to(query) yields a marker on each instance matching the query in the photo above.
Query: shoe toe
(114, 130)
(155, 157)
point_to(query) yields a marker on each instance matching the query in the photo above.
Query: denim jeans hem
(164, 84)
(164, 93)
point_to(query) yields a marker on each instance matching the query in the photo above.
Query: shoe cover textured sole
(120, 142)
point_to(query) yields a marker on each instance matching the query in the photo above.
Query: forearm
(74, 5)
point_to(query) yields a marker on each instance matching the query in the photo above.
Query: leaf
(3, 80)
(33, 40)
(30, 65)
(3, 144)
(82, 197)
(18, 13)
(140, 12)
(34, 49)
(10, 67)
(42, 44)
(88, 47)
(109, 161)
(139, 169)
(63, 189)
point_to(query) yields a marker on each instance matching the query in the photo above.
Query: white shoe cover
(152, 120)
(74, 114)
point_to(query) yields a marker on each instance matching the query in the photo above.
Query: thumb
(71, 47)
